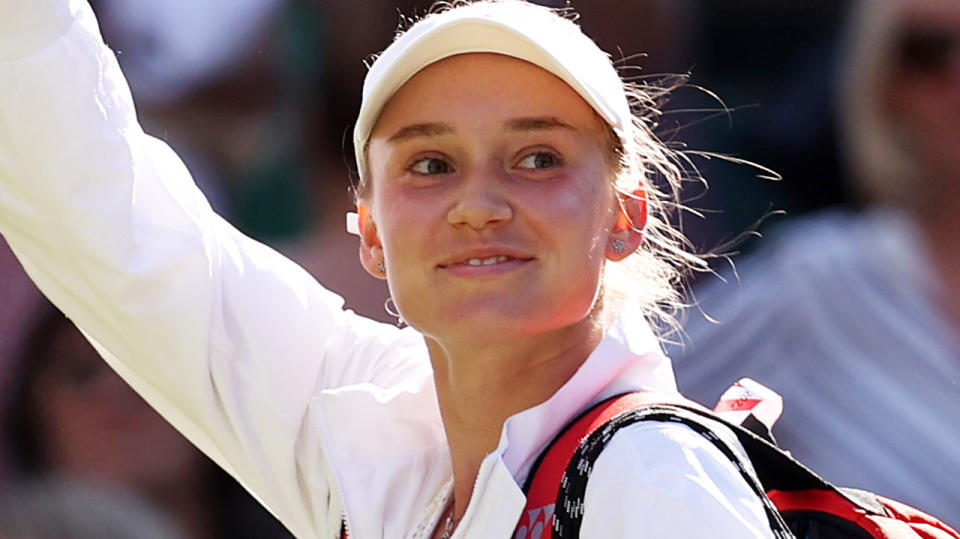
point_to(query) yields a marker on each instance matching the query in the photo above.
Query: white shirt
(319, 412)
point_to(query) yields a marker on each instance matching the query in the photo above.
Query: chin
(492, 322)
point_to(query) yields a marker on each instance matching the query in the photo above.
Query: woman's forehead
(484, 87)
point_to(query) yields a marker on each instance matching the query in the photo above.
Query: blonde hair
(653, 276)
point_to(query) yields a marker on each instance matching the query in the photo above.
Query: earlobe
(622, 244)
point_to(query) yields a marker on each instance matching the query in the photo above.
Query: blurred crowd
(852, 313)
(850, 306)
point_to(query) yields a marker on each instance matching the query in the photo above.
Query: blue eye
(430, 166)
(539, 160)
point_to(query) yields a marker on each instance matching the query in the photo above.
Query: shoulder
(805, 290)
(657, 479)
(815, 278)
(821, 253)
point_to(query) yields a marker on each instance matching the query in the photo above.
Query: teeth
(487, 261)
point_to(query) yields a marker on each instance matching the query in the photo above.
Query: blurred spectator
(230, 85)
(854, 316)
(242, 90)
(60, 509)
(19, 295)
(196, 82)
(351, 31)
(70, 416)
(772, 64)
(172, 46)
(257, 106)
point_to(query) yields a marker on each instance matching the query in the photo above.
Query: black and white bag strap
(568, 512)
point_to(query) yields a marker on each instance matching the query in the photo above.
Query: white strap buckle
(353, 223)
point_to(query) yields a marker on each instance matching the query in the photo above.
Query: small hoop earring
(382, 266)
(619, 247)
(391, 307)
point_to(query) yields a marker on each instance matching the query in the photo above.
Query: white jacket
(319, 412)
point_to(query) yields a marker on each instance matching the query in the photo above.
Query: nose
(481, 200)
(110, 388)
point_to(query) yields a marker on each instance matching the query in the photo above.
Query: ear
(627, 234)
(371, 250)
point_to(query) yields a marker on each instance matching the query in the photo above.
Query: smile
(486, 261)
(488, 264)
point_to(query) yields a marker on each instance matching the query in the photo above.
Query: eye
(430, 166)
(80, 373)
(539, 160)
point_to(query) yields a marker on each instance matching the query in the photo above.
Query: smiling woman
(468, 190)
(506, 194)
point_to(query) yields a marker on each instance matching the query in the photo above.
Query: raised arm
(226, 338)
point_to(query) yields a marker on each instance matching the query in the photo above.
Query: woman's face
(925, 92)
(93, 426)
(492, 199)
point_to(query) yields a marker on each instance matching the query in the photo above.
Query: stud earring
(381, 266)
(619, 247)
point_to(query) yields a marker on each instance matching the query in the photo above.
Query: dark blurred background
(259, 96)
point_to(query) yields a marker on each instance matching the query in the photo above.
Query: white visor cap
(509, 27)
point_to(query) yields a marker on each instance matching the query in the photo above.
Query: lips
(485, 257)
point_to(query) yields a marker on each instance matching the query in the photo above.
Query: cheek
(577, 223)
(926, 109)
(65, 423)
(402, 222)
(589, 215)
(580, 216)
(407, 229)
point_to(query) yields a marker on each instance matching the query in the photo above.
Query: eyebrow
(536, 123)
(421, 130)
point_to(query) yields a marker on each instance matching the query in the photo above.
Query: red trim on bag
(924, 525)
(736, 405)
(901, 522)
(825, 501)
(537, 519)
(546, 481)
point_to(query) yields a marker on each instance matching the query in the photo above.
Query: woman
(504, 192)
(70, 418)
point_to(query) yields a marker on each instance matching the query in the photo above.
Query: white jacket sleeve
(225, 337)
(658, 479)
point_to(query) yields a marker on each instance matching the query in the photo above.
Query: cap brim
(550, 44)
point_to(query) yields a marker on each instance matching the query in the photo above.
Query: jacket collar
(628, 358)
(388, 488)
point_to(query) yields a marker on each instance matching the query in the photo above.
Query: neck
(186, 503)
(479, 387)
(941, 232)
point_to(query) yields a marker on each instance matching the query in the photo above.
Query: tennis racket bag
(798, 503)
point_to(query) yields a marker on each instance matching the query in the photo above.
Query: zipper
(333, 483)
(430, 515)
(344, 525)
(471, 507)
